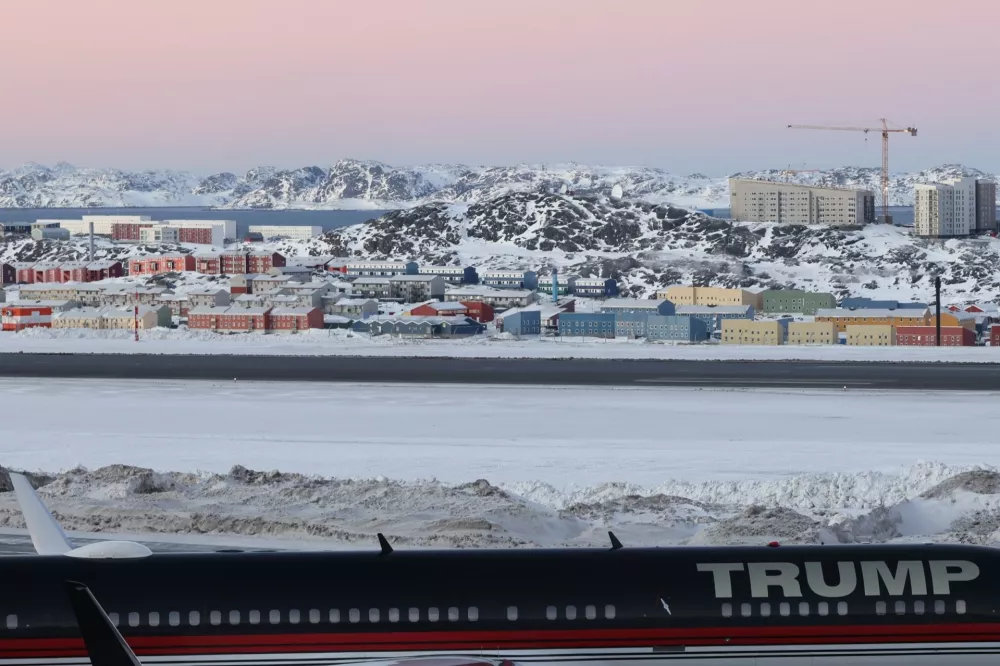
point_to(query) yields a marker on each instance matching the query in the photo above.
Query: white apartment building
(159, 234)
(788, 203)
(276, 231)
(103, 224)
(957, 207)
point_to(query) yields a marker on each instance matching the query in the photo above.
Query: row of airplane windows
(823, 608)
(354, 616)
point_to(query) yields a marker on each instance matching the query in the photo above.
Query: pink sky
(688, 85)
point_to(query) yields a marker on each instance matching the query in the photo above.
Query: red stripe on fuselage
(516, 640)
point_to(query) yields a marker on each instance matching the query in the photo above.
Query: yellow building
(862, 317)
(873, 335)
(963, 319)
(812, 333)
(680, 295)
(79, 318)
(746, 332)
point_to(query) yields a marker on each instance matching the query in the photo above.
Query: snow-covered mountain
(357, 184)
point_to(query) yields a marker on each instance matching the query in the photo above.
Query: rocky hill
(372, 185)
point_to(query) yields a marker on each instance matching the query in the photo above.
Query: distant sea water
(902, 216)
(328, 219)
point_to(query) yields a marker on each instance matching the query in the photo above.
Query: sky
(686, 85)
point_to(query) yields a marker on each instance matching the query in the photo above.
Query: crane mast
(885, 130)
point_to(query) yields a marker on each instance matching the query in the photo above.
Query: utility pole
(136, 311)
(937, 307)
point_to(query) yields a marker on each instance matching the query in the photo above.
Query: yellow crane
(886, 131)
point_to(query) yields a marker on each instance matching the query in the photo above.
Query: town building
(796, 301)
(8, 275)
(710, 296)
(49, 233)
(813, 333)
(995, 335)
(420, 327)
(846, 318)
(265, 282)
(595, 287)
(957, 207)
(790, 203)
(156, 264)
(301, 273)
(204, 232)
(714, 315)
(19, 316)
(871, 335)
(299, 232)
(645, 306)
(262, 262)
(208, 263)
(55, 306)
(675, 328)
(439, 309)
(79, 318)
(149, 316)
(746, 332)
(857, 303)
(373, 287)
(357, 308)
(963, 319)
(235, 262)
(79, 292)
(242, 284)
(415, 288)
(24, 272)
(293, 319)
(9, 229)
(510, 280)
(177, 303)
(380, 268)
(47, 271)
(452, 275)
(479, 311)
(230, 320)
(520, 321)
(208, 297)
(565, 284)
(159, 233)
(926, 336)
(104, 269)
(587, 324)
(498, 298)
(124, 295)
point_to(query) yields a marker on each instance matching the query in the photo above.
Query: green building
(796, 301)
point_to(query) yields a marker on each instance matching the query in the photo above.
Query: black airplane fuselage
(823, 604)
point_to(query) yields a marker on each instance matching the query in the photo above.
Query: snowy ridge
(927, 501)
(366, 184)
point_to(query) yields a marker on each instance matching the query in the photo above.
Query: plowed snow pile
(924, 502)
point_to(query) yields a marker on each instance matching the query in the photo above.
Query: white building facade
(953, 208)
(277, 231)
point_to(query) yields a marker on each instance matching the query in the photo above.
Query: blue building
(677, 328)
(596, 287)
(420, 327)
(713, 315)
(638, 306)
(520, 322)
(858, 303)
(452, 274)
(510, 279)
(589, 324)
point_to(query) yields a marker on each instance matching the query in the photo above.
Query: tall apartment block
(958, 207)
(788, 203)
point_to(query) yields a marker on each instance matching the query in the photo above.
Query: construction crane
(912, 131)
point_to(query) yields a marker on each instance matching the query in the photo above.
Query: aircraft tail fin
(46, 534)
(105, 646)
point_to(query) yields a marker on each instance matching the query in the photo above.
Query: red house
(202, 235)
(47, 271)
(8, 274)
(437, 309)
(926, 336)
(231, 320)
(289, 320)
(128, 231)
(74, 271)
(24, 272)
(102, 270)
(995, 335)
(19, 317)
(154, 264)
(235, 262)
(209, 264)
(481, 312)
(262, 262)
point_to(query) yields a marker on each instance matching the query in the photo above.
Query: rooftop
(711, 309)
(872, 313)
(645, 303)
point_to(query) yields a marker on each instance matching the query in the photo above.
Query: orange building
(20, 317)
(871, 317)
(963, 319)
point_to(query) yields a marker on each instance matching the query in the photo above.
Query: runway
(567, 372)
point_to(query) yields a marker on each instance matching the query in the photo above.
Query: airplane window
(373, 615)
(393, 615)
(590, 612)
(215, 617)
(314, 616)
(511, 613)
(918, 607)
(570, 612)
(880, 607)
(841, 608)
(473, 614)
(114, 618)
(354, 615)
(551, 612)
(234, 617)
(133, 619)
(939, 607)
(12, 622)
(334, 616)
(174, 618)
(453, 614)
(727, 610)
(784, 610)
(414, 615)
(960, 607)
(294, 616)
(432, 614)
(154, 619)
(765, 609)
(609, 612)
(194, 618)
(803, 608)
(823, 608)
(254, 617)
(274, 617)
(745, 610)
(900, 607)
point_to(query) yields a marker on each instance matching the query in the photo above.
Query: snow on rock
(245, 502)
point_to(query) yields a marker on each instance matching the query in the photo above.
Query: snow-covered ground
(461, 465)
(345, 343)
